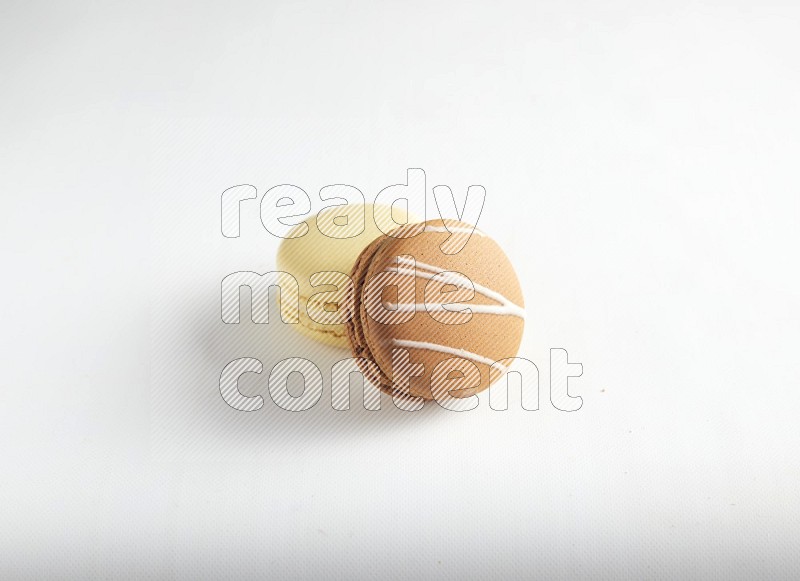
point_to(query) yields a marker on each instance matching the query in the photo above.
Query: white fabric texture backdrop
(640, 166)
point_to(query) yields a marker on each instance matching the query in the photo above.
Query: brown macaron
(436, 310)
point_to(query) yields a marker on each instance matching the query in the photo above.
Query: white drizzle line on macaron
(427, 271)
(452, 230)
(451, 351)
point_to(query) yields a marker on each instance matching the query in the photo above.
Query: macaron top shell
(456, 314)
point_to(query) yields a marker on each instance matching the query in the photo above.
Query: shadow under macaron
(212, 344)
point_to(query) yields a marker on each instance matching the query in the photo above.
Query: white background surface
(640, 162)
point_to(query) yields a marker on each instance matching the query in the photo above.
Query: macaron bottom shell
(355, 330)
